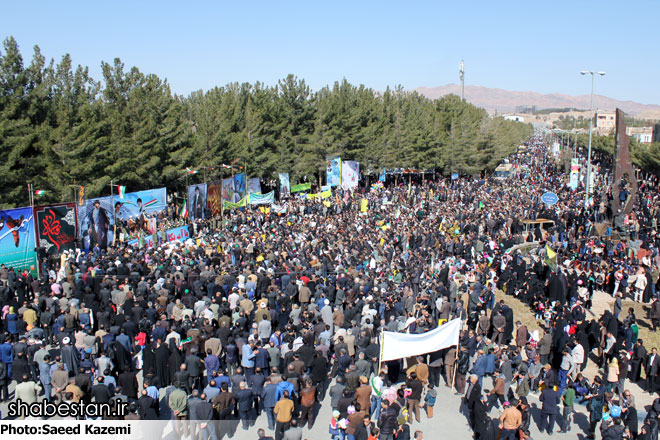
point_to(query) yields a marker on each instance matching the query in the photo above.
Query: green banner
(240, 204)
(301, 187)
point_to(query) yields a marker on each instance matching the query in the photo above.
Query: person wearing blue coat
(6, 354)
(479, 367)
(11, 320)
(550, 409)
(268, 400)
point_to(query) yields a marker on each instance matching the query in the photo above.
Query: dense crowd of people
(264, 315)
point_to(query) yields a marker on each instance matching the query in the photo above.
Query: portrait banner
(56, 227)
(17, 240)
(240, 187)
(285, 185)
(333, 174)
(96, 222)
(197, 201)
(254, 186)
(350, 174)
(228, 189)
(135, 204)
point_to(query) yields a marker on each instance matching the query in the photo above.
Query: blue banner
(381, 176)
(180, 233)
(549, 198)
(17, 240)
(333, 171)
(136, 204)
(240, 187)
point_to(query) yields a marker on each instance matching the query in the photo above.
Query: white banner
(350, 174)
(279, 209)
(402, 345)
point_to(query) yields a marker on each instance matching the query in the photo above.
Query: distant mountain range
(505, 101)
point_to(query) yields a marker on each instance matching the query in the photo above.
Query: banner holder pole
(114, 214)
(458, 351)
(380, 357)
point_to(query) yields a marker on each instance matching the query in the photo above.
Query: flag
(184, 210)
(227, 167)
(189, 171)
(551, 258)
(122, 191)
(39, 192)
(364, 205)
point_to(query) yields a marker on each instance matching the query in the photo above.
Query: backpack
(402, 417)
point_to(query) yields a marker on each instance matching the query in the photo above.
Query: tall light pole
(591, 123)
(461, 74)
(575, 144)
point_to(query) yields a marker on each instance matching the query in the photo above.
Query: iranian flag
(122, 191)
(39, 192)
(184, 210)
(189, 171)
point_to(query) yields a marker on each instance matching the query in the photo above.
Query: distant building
(516, 118)
(605, 120)
(656, 133)
(526, 109)
(643, 134)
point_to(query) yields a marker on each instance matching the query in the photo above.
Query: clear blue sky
(532, 45)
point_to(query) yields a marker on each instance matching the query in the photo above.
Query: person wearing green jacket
(568, 399)
(178, 402)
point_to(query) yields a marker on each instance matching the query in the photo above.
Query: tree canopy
(59, 126)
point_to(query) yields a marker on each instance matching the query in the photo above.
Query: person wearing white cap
(70, 356)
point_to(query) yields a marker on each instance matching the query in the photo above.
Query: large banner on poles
(254, 186)
(135, 204)
(333, 171)
(197, 201)
(350, 174)
(575, 173)
(56, 227)
(96, 222)
(17, 240)
(240, 187)
(214, 198)
(285, 185)
(228, 189)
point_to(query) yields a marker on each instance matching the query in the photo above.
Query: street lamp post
(591, 123)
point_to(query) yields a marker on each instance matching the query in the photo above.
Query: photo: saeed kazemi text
(49, 429)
